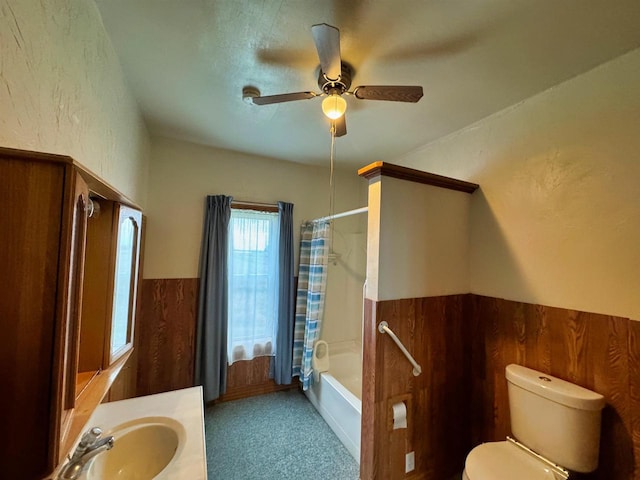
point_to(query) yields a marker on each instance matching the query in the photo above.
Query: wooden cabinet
(50, 384)
(110, 290)
(70, 281)
(41, 222)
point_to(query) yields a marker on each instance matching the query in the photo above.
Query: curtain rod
(340, 215)
(240, 202)
(263, 207)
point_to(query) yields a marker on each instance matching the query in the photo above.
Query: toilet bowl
(505, 461)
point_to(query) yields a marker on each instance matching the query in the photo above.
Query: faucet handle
(90, 437)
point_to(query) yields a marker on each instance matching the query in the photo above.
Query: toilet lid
(504, 461)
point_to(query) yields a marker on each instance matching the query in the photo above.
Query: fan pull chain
(332, 187)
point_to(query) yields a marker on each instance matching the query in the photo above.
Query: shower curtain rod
(343, 214)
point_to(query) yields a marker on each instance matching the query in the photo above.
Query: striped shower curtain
(312, 282)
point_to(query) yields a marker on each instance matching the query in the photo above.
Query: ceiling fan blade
(391, 93)
(327, 40)
(341, 126)
(283, 97)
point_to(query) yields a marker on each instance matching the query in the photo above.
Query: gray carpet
(277, 436)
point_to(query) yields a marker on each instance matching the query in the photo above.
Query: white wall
(418, 240)
(345, 277)
(62, 91)
(557, 220)
(183, 174)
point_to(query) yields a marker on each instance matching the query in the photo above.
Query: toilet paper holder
(399, 417)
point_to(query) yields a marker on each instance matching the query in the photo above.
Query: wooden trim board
(404, 173)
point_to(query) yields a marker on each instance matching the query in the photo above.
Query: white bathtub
(337, 396)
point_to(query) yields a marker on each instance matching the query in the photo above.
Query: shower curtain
(312, 282)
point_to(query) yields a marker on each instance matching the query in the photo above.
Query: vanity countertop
(184, 406)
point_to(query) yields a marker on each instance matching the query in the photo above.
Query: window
(253, 284)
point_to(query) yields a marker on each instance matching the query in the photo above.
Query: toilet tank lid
(554, 389)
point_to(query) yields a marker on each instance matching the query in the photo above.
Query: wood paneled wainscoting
(166, 344)
(434, 331)
(464, 343)
(246, 378)
(166, 335)
(599, 352)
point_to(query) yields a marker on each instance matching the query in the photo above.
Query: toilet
(556, 426)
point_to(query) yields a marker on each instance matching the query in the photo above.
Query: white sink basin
(143, 448)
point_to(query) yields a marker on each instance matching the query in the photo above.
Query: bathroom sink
(143, 449)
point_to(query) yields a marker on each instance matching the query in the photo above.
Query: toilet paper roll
(399, 415)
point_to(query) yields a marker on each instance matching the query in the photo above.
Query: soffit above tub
(187, 62)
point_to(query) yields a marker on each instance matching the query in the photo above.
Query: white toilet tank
(555, 418)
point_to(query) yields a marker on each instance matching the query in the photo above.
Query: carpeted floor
(278, 436)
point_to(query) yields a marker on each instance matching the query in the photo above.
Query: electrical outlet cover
(409, 462)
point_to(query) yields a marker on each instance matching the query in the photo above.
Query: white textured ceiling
(187, 61)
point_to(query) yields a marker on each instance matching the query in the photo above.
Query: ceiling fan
(334, 81)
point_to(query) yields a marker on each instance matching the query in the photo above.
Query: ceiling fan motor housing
(341, 85)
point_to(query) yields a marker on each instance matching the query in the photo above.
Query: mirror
(124, 289)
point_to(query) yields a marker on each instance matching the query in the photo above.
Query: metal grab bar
(383, 327)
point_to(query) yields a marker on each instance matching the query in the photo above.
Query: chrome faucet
(90, 445)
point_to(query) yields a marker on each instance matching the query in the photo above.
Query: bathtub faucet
(90, 445)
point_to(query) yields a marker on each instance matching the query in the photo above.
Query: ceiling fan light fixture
(334, 106)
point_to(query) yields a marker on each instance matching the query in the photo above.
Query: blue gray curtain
(284, 341)
(312, 282)
(211, 327)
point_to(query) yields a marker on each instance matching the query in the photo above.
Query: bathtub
(337, 396)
